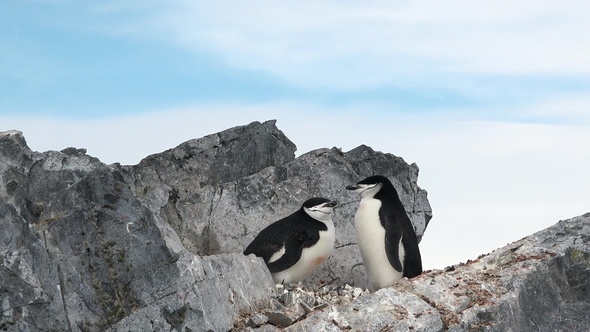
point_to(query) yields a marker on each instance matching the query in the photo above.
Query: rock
(540, 283)
(285, 316)
(158, 246)
(238, 200)
(78, 251)
(256, 320)
(385, 310)
(286, 308)
(210, 295)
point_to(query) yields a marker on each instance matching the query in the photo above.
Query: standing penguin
(385, 235)
(296, 245)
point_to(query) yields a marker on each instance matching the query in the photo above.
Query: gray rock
(210, 294)
(540, 283)
(87, 246)
(224, 212)
(385, 310)
(78, 251)
(284, 317)
(257, 320)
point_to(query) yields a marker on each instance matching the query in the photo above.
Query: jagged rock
(540, 283)
(78, 251)
(286, 307)
(285, 316)
(87, 246)
(224, 212)
(257, 320)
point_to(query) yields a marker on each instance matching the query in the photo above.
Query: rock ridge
(156, 246)
(87, 246)
(539, 283)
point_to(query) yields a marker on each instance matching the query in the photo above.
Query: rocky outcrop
(157, 246)
(80, 252)
(219, 191)
(540, 283)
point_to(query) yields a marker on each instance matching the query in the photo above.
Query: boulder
(78, 251)
(158, 246)
(216, 203)
(539, 283)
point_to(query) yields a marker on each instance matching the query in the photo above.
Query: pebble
(256, 320)
(294, 302)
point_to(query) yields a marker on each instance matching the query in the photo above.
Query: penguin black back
(282, 243)
(393, 207)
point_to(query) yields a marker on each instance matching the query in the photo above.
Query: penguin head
(370, 186)
(319, 208)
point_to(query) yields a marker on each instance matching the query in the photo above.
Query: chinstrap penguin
(385, 234)
(293, 247)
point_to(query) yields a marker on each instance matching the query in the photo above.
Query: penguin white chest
(370, 236)
(311, 258)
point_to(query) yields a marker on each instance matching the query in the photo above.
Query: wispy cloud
(408, 56)
(419, 56)
(380, 42)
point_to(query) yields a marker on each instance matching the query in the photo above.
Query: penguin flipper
(265, 244)
(392, 241)
(393, 236)
(413, 259)
(262, 249)
(293, 248)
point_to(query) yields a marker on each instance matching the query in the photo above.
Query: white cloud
(365, 44)
(572, 108)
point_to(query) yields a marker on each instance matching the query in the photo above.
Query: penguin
(385, 234)
(295, 246)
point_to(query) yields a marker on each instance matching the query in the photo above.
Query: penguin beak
(353, 187)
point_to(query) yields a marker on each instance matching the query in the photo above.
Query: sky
(491, 99)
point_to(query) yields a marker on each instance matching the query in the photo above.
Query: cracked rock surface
(219, 191)
(157, 246)
(539, 283)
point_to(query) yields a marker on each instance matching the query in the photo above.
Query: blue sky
(95, 60)
(491, 98)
